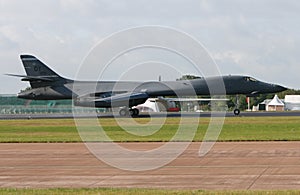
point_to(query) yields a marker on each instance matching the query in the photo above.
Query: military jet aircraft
(48, 85)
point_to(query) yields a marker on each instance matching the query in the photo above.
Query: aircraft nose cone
(280, 88)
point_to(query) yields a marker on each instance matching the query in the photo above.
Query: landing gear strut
(129, 112)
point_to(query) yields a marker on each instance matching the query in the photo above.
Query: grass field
(234, 129)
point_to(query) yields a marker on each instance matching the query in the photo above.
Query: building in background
(262, 106)
(275, 104)
(292, 102)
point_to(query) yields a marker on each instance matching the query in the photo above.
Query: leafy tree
(288, 92)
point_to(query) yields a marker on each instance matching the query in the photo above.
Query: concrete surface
(146, 115)
(229, 165)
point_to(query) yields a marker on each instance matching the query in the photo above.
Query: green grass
(38, 131)
(234, 129)
(64, 130)
(111, 191)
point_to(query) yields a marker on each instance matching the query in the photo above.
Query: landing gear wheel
(236, 112)
(123, 112)
(134, 112)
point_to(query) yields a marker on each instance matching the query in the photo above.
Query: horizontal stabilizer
(35, 78)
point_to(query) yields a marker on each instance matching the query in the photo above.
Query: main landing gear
(129, 112)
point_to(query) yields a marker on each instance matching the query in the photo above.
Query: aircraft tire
(133, 112)
(236, 112)
(123, 112)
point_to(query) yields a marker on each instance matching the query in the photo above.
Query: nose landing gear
(237, 111)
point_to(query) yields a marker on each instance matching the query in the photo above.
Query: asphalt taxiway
(229, 165)
(146, 115)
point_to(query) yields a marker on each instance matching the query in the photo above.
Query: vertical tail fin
(38, 74)
(35, 67)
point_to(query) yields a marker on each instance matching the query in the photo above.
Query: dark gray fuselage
(48, 85)
(85, 91)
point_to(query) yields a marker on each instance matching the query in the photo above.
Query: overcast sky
(258, 38)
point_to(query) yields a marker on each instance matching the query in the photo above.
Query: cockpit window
(250, 79)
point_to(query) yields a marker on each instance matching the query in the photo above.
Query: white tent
(275, 104)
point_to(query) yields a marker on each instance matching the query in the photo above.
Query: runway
(229, 165)
(146, 115)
